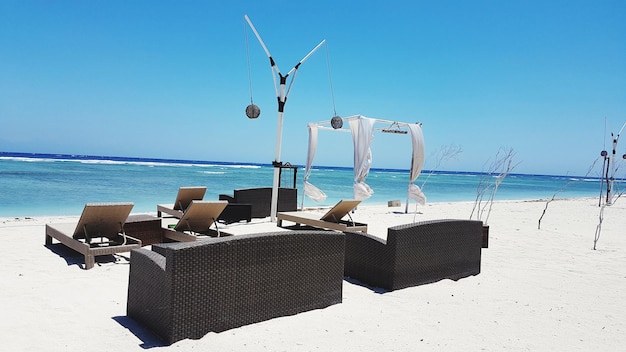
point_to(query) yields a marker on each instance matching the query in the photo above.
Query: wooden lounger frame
(331, 220)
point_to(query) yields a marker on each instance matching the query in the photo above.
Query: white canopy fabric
(362, 136)
(309, 190)
(417, 162)
(362, 129)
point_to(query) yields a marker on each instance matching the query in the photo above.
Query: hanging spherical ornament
(624, 156)
(604, 153)
(336, 122)
(253, 111)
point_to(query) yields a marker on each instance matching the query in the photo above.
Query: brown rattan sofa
(185, 290)
(415, 254)
(261, 199)
(235, 212)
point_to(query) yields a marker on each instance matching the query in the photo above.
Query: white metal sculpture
(282, 91)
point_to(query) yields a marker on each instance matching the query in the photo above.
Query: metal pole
(279, 134)
(406, 207)
(611, 177)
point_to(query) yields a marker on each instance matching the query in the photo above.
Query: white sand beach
(539, 290)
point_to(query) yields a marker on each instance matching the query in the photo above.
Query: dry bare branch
(561, 190)
(501, 166)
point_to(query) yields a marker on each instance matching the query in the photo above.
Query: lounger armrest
(367, 256)
(148, 256)
(226, 197)
(160, 248)
(146, 268)
(363, 245)
(148, 289)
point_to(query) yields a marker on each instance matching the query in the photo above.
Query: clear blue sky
(169, 79)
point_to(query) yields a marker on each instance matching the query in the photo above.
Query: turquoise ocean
(55, 185)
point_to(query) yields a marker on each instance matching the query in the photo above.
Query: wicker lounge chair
(186, 290)
(99, 231)
(332, 220)
(197, 219)
(261, 199)
(183, 199)
(415, 254)
(236, 212)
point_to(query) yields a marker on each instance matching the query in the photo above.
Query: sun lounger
(100, 231)
(183, 199)
(197, 219)
(332, 220)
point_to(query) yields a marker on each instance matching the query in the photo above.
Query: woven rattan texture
(185, 290)
(261, 199)
(235, 212)
(145, 228)
(415, 254)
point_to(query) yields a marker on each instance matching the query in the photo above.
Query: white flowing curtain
(309, 190)
(417, 162)
(362, 129)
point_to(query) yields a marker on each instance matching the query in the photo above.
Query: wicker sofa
(185, 290)
(261, 199)
(415, 254)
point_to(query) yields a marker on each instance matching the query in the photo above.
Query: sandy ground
(539, 290)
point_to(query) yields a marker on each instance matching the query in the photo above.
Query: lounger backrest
(340, 210)
(102, 220)
(186, 195)
(200, 215)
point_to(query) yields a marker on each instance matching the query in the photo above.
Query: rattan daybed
(261, 199)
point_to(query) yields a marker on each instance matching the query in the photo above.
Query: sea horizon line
(131, 159)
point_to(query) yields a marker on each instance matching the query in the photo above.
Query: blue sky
(169, 79)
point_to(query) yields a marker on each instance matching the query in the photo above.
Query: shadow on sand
(359, 283)
(148, 339)
(72, 257)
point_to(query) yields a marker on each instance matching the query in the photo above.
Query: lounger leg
(90, 261)
(48, 240)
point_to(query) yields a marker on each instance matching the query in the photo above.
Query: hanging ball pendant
(253, 111)
(604, 153)
(336, 122)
